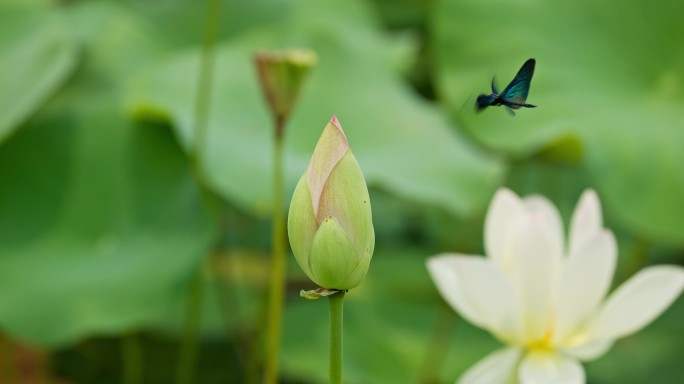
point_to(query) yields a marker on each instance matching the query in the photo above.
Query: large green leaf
(609, 74)
(101, 226)
(403, 144)
(36, 57)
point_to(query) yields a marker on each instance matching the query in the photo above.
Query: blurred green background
(104, 226)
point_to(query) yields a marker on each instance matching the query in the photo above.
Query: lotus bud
(330, 224)
(281, 75)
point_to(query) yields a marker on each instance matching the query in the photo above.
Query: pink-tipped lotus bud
(330, 223)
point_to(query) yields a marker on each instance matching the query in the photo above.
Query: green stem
(193, 315)
(278, 263)
(336, 324)
(132, 359)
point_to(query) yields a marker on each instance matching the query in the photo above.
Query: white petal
(550, 368)
(585, 280)
(491, 295)
(590, 351)
(537, 204)
(534, 268)
(639, 301)
(586, 221)
(497, 368)
(442, 268)
(505, 206)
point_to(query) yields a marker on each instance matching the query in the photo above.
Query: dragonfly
(514, 95)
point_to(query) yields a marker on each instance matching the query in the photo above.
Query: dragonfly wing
(494, 91)
(518, 89)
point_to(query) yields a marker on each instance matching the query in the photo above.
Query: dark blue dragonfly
(515, 94)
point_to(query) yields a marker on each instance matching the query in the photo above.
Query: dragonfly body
(514, 95)
(494, 100)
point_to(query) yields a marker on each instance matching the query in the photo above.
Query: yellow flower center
(544, 343)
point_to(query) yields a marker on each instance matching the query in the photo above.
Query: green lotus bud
(281, 75)
(330, 223)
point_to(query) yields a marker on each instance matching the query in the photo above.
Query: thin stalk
(132, 359)
(193, 315)
(278, 263)
(336, 302)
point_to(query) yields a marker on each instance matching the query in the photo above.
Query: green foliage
(103, 225)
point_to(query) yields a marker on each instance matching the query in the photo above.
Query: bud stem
(336, 324)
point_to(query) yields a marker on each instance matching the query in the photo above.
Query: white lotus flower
(545, 299)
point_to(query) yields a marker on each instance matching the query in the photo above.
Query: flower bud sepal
(317, 293)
